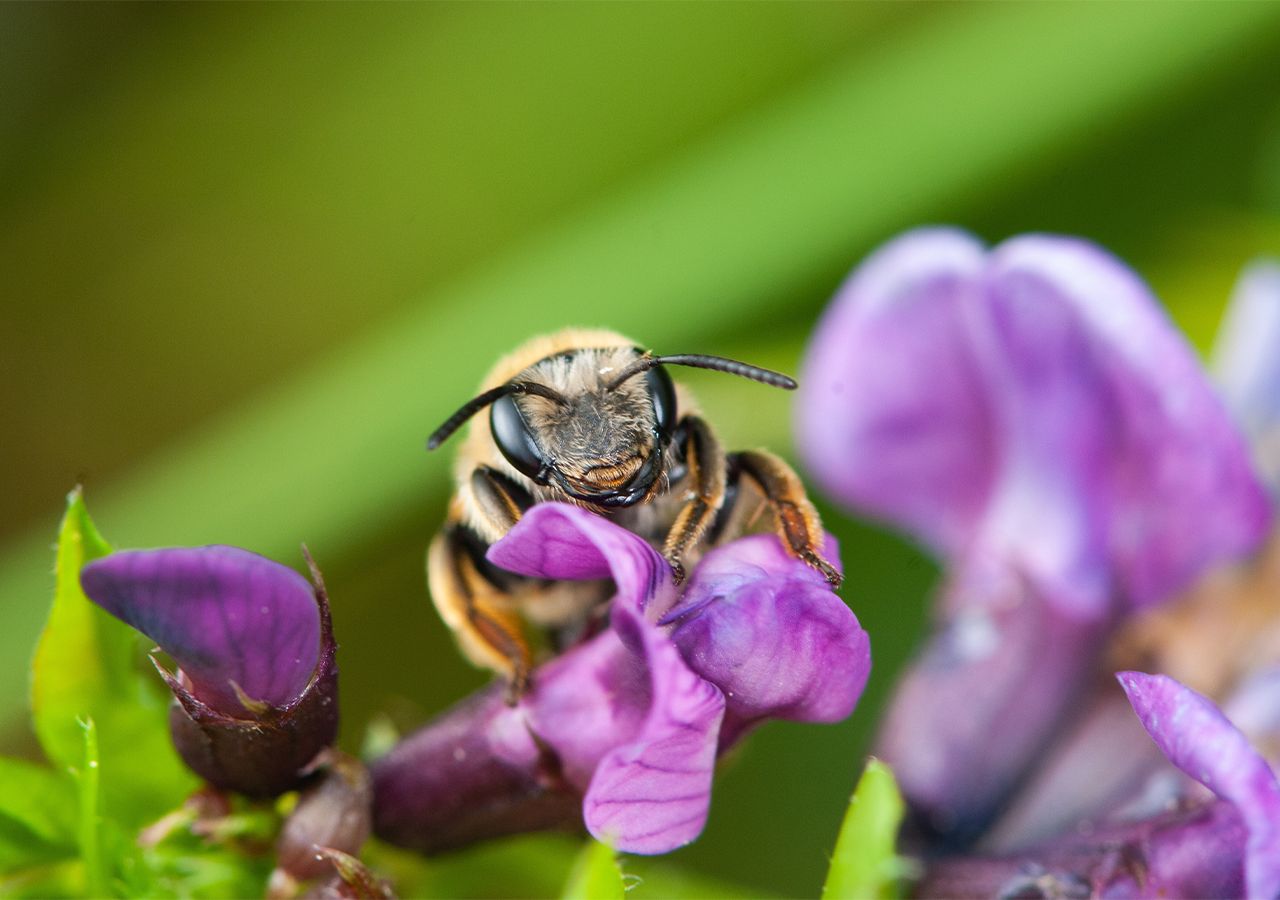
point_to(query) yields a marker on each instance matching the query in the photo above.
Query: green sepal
(595, 875)
(865, 862)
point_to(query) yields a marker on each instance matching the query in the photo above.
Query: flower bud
(255, 692)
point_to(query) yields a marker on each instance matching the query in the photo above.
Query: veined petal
(1199, 740)
(240, 626)
(652, 794)
(768, 631)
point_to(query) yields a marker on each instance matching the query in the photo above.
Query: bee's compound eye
(663, 394)
(512, 435)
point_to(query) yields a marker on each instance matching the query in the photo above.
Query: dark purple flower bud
(622, 732)
(256, 687)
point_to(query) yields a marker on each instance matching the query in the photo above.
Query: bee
(591, 418)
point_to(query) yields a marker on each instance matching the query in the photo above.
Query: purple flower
(1032, 406)
(1030, 414)
(622, 731)
(255, 693)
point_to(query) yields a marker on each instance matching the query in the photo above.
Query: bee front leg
(795, 519)
(706, 463)
(480, 613)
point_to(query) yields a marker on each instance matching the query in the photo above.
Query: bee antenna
(477, 403)
(701, 361)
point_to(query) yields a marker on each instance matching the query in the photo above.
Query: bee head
(594, 423)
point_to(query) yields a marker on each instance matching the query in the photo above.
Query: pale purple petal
(891, 414)
(561, 541)
(1246, 362)
(1201, 742)
(973, 713)
(228, 618)
(1033, 404)
(652, 794)
(768, 631)
(1158, 467)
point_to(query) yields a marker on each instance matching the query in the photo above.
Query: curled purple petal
(1199, 740)
(558, 540)
(229, 618)
(1031, 404)
(768, 631)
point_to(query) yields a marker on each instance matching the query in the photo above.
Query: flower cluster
(623, 730)
(1031, 416)
(1027, 413)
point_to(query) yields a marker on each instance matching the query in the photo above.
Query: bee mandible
(589, 417)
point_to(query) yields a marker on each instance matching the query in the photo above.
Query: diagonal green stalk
(761, 210)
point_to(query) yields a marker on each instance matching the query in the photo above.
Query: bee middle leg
(706, 464)
(795, 519)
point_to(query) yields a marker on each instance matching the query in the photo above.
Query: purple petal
(557, 540)
(1246, 361)
(768, 631)
(1200, 741)
(1032, 405)
(1188, 852)
(624, 708)
(651, 794)
(228, 617)
(582, 705)
(1179, 484)
(975, 710)
(891, 416)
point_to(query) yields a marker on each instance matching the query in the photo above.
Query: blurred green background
(251, 256)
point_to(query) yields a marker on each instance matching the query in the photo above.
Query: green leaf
(87, 667)
(864, 863)
(596, 875)
(37, 815)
